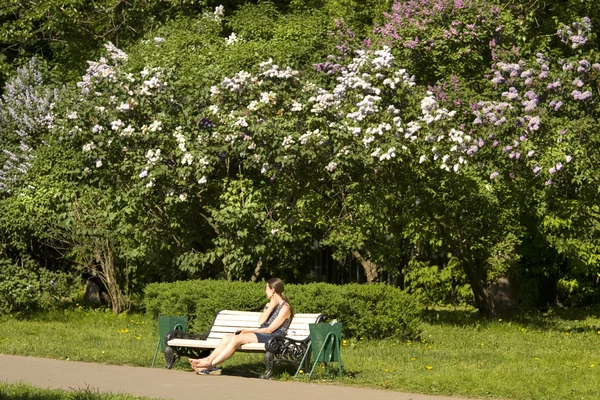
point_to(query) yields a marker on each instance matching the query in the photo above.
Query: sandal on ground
(210, 371)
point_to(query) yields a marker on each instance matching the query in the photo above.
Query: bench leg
(170, 357)
(269, 364)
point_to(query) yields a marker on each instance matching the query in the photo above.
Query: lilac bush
(26, 114)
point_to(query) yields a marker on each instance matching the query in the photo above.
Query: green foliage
(370, 311)
(437, 285)
(26, 288)
(67, 33)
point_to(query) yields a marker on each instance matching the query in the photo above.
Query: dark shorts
(264, 337)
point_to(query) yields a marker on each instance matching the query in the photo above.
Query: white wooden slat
(211, 344)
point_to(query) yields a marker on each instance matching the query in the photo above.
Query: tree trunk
(257, 270)
(104, 256)
(369, 267)
(481, 289)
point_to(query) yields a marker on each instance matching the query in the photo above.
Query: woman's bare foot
(201, 363)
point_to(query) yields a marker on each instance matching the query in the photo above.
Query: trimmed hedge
(370, 311)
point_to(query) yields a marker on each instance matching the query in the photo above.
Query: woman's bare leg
(195, 362)
(225, 351)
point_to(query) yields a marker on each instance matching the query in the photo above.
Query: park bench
(290, 348)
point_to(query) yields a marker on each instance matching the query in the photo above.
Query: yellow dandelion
(387, 370)
(344, 342)
(536, 359)
(412, 359)
(138, 337)
(592, 365)
(429, 367)
(301, 371)
(126, 330)
(131, 320)
(522, 329)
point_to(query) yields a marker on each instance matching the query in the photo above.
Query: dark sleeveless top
(282, 330)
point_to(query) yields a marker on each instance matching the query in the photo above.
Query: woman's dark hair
(277, 285)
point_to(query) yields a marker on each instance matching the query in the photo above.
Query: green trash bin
(325, 343)
(166, 324)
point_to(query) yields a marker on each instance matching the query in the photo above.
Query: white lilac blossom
(391, 153)
(331, 166)
(127, 132)
(274, 72)
(383, 59)
(219, 13)
(178, 134)
(323, 101)
(241, 122)
(311, 135)
(215, 91)
(114, 53)
(288, 141)
(88, 146)
(268, 97)
(97, 129)
(232, 39)
(116, 125)
(237, 83)
(187, 159)
(155, 126)
(153, 156)
(124, 107)
(202, 180)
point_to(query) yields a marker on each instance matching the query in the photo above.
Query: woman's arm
(284, 313)
(267, 311)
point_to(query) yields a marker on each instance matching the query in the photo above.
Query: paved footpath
(177, 385)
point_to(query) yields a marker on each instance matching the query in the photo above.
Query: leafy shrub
(370, 311)
(28, 288)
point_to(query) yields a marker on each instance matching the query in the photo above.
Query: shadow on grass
(564, 319)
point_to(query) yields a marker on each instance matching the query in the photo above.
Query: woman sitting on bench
(274, 321)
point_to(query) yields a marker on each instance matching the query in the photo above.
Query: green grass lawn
(537, 357)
